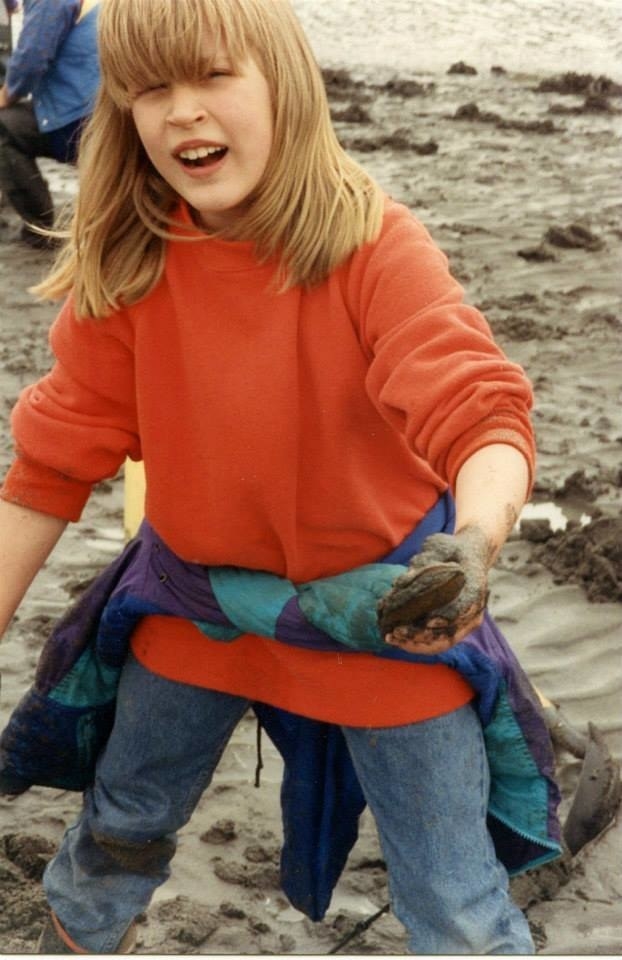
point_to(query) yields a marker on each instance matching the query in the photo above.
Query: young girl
(284, 348)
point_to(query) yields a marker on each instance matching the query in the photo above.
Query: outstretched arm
(491, 488)
(26, 539)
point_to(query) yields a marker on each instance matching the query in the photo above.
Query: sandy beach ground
(520, 186)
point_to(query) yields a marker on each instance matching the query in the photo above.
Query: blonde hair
(314, 204)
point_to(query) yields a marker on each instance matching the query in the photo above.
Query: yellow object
(134, 502)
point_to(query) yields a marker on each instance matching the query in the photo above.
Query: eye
(147, 89)
(217, 71)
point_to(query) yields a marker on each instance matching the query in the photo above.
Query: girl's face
(209, 139)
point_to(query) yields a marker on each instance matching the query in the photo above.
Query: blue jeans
(426, 785)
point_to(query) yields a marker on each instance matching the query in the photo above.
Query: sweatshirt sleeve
(78, 423)
(435, 372)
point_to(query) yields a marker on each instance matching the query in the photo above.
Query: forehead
(184, 40)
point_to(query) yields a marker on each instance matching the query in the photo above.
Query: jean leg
(20, 178)
(166, 742)
(427, 786)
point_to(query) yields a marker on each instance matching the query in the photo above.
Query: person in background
(48, 91)
(11, 6)
(7, 8)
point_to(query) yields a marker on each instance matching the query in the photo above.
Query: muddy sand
(517, 177)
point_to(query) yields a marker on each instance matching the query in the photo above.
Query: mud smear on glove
(410, 603)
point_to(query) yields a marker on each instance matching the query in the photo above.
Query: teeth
(198, 153)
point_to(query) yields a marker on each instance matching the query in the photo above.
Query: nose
(185, 106)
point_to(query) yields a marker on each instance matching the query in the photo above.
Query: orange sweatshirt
(302, 433)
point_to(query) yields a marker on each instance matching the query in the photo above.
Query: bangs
(143, 43)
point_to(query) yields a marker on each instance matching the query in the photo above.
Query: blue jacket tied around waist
(56, 731)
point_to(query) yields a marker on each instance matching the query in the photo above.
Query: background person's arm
(45, 27)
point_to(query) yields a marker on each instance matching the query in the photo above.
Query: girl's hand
(442, 596)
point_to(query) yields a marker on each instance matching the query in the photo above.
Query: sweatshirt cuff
(40, 488)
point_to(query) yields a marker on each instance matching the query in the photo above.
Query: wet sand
(520, 186)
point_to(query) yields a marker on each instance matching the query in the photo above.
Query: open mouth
(201, 156)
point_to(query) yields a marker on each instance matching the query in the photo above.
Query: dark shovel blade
(598, 794)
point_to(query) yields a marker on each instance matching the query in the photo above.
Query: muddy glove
(442, 595)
